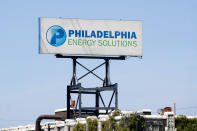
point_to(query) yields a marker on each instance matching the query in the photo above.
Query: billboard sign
(90, 37)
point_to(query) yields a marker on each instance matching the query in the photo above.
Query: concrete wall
(164, 122)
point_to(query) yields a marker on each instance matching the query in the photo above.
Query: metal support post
(68, 102)
(74, 79)
(79, 103)
(97, 103)
(107, 78)
(116, 97)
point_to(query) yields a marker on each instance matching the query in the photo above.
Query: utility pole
(174, 109)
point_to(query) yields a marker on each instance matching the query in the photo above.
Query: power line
(185, 108)
(2, 119)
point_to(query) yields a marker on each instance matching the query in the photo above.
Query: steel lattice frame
(76, 88)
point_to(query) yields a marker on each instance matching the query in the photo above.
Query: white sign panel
(90, 37)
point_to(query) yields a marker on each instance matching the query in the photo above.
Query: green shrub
(79, 127)
(184, 124)
(92, 124)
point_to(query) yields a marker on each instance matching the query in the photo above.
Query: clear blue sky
(32, 84)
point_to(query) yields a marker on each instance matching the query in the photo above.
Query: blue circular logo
(56, 35)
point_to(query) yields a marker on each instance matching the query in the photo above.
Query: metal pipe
(50, 117)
